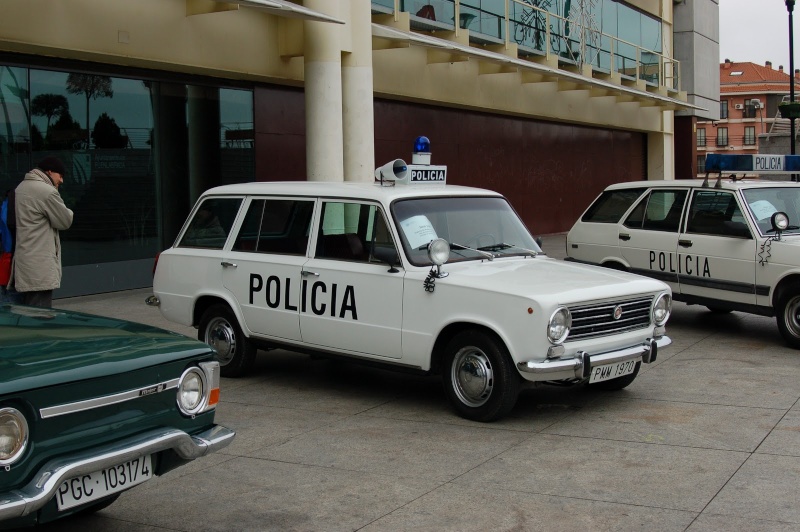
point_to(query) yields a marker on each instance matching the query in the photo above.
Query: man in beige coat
(40, 214)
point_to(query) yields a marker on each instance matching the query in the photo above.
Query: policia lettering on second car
(317, 301)
(687, 264)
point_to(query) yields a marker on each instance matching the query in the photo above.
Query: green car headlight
(192, 391)
(13, 435)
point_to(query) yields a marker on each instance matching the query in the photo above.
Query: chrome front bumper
(580, 366)
(43, 487)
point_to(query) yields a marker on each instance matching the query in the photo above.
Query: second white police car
(726, 243)
(410, 273)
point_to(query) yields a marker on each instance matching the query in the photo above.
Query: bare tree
(93, 87)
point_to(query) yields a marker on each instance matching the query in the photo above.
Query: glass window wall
(137, 152)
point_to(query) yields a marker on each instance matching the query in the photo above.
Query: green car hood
(46, 347)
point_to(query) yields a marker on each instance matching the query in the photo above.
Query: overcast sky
(757, 31)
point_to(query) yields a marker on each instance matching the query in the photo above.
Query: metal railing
(537, 32)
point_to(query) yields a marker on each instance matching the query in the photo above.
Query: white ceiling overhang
(543, 72)
(283, 8)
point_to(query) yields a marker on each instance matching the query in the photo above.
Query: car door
(350, 300)
(262, 268)
(648, 237)
(717, 250)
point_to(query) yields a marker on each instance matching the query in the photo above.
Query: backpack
(6, 246)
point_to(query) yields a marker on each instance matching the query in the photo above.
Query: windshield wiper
(502, 245)
(485, 254)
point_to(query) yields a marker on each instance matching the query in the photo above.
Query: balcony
(539, 35)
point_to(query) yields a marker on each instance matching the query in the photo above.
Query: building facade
(151, 102)
(749, 114)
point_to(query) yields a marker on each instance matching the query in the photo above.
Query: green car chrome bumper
(43, 487)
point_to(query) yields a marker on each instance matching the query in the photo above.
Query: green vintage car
(91, 406)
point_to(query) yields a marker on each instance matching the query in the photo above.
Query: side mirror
(387, 255)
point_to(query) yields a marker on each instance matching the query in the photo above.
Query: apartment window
(750, 135)
(701, 164)
(723, 109)
(701, 138)
(722, 136)
(750, 108)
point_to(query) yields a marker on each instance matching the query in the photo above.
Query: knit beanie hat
(52, 164)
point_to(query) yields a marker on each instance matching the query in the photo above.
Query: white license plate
(88, 488)
(612, 371)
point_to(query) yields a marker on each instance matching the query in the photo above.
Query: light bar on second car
(761, 164)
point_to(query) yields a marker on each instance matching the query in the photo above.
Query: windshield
(486, 224)
(764, 202)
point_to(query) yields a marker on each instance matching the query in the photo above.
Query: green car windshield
(474, 227)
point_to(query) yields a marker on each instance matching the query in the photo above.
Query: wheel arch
(206, 301)
(449, 332)
(784, 284)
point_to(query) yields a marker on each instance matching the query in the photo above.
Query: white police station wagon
(410, 273)
(725, 243)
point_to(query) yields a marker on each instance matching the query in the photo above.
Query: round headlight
(558, 327)
(780, 221)
(191, 391)
(438, 251)
(13, 435)
(662, 309)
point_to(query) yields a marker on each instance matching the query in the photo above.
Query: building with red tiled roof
(748, 107)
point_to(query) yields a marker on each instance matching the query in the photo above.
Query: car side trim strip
(98, 402)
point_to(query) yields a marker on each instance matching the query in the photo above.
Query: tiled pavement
(706, 439)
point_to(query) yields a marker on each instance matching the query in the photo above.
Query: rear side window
(660, 210)
(211, 223)
(611, 205)
(275, 226)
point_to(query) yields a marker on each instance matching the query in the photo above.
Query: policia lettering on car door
(701, 247)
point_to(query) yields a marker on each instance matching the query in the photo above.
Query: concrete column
(357, 93)
(661, 151)
(323, 93)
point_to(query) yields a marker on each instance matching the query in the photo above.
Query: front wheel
(618, 383)
(787, 313)
(479, 377)
(219, 329)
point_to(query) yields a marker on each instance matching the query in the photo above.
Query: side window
(211, 223)
(716, 213)
(659, 211)
(611, 205)
(276, 226)
(353, 231)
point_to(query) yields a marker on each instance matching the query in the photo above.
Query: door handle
(226, 264)
(624, 236)
(685, 243)
(306, 273)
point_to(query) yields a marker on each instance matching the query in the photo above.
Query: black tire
(479, 377)
(619, 383)
(787, 314)
(220, 329)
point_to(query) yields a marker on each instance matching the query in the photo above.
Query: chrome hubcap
(792, 316)
(472, 376)
(221, 336)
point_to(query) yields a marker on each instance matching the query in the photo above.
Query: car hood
(46, 347)
(540, 277)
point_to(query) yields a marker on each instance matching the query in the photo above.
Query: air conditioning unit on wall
(739, 106)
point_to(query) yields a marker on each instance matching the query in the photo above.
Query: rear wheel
(219, 329)
(479, 377)
(618, 383)
(787, 313)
